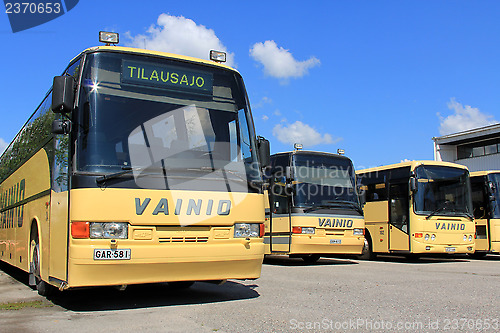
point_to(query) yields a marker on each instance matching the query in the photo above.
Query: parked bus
(137, 167)
(314, 207)
(485, 200)
(417, 207)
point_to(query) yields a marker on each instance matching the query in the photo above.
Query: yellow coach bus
(417, 207)
(485, 200)
(314, 208)
(137, 167)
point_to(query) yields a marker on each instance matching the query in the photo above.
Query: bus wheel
(311, 258)
(43, 288)
(181, 284)
(367, 253)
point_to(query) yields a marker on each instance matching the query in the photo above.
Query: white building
(478, 149)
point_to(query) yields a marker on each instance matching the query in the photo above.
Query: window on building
(477, 149)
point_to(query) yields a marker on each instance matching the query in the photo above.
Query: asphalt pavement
(334, 295)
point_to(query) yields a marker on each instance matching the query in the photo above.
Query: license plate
(335, 241)
(450, 249)
(112, 254)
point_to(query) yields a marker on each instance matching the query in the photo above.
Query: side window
(399, 205)
(277, 196)
(33, 136)
(479, 198)
(374, 185)
(73, 69)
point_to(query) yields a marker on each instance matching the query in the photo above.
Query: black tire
(367, 253)
(311, 258)
(42, 287)
(477, 255)
(180, 284)
(413, 257)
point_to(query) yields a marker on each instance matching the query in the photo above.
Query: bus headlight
(246, 230)
(470, 238)
(111, 230)
(465, 238)
(308, 230)
(427, 237)
(358, 232)
(433, 237)
(303, 230)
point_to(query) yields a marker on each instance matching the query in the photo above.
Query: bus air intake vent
(183, 240)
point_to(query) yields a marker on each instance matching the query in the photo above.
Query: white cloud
(263, 101)
(298, 132)
(180, 35)
(279, 62)
(463, 118)
(264, 117)
(3, 145)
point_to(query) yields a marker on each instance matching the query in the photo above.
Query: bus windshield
(442, 191)
(494, 178)
(164, 125)
(324, 181)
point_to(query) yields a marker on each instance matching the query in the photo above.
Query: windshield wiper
(241, 176)
(104, 178)
(437, 210)
(470, 216)
(347, 202)
(316, 207)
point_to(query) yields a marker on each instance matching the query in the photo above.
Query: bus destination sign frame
(166, 77)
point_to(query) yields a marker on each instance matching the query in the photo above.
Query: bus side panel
(30, 182)
(280, 234)
(376, 220)
(495, 235)
(59, 235)
(379, 232)
(482, 242)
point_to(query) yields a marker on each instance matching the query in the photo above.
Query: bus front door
(280, 231)
(398, 217)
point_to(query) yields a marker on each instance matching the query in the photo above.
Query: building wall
(447, 153)
(488, 162)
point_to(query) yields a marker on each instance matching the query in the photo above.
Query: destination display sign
(167, 77)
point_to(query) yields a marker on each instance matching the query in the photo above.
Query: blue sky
(376, 78)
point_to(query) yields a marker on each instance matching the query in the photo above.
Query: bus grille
(183, 239)
(193, 234)
(333, 232)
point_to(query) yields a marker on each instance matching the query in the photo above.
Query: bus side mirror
(491, 187)
(264, 152)
(361, 195)
(61, 126)
(289, 173)
(63, 94)
(413, 184)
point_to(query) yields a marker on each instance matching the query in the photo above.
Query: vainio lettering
(183, 207)
(336, 223)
